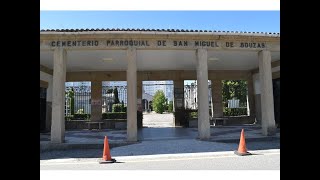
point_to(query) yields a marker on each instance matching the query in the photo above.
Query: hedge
(234, 111)
(122, 115)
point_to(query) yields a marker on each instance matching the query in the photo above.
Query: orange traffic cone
(106, 157)
(242, 150)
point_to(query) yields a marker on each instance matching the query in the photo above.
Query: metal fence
(78, 100)
(234, 106)
(108, 97)
(190, 96)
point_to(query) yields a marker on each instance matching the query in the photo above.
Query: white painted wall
(48, 78)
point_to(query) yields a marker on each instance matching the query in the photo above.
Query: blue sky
(254, 21)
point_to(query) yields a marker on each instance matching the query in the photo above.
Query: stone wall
(108, 124)
(235, 120)
(238, 120)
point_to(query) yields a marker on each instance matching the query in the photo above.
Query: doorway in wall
(157, 104)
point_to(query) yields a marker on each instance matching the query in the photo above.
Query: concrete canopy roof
(92, 60)
(157, 59)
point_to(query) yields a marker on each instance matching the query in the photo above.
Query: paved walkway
(87, 139)
(157, 120)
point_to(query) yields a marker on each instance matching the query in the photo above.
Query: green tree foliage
(159, 102)
(234, 89)
(170, 106)
(116, 96)
(116, 108)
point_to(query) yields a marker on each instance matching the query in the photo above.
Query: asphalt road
(260, 160)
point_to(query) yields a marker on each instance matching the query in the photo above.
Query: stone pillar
(178, 102)
(58, 95)
(132, 95)
(267, 107)
(257, 97)
(251, 103)
(96, 98)
(217, 98)
(202, 94)
(139, 101)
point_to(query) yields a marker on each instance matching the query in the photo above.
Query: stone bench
(119, 123)
(193, 122)
(218, 119)
(89, 124)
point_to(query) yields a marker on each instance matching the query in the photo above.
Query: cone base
(106, 161)
(242, 154)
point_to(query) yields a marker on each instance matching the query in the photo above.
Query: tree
(116, 96)
(71, 97)
(159, 102)
(234, 89)
(170, 107)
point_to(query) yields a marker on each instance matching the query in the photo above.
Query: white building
(151, 87)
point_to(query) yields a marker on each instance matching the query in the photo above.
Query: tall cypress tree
(116, 96)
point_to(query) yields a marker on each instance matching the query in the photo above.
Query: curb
(248, 139)
(191, 155)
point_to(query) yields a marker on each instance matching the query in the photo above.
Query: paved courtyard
(158, 120)
(159, 137)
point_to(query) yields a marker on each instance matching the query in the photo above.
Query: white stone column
(267, 109)
(145, 105)
(132, 131)
(202, 94)
(96, 98)
(257, 97)
(58, 95)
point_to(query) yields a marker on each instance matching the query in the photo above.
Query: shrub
(80, 111)
(234, 111)
(116, 108)
(68, 117)
(114, 115)
(193, 114)
(123, 115)
(81, 116)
